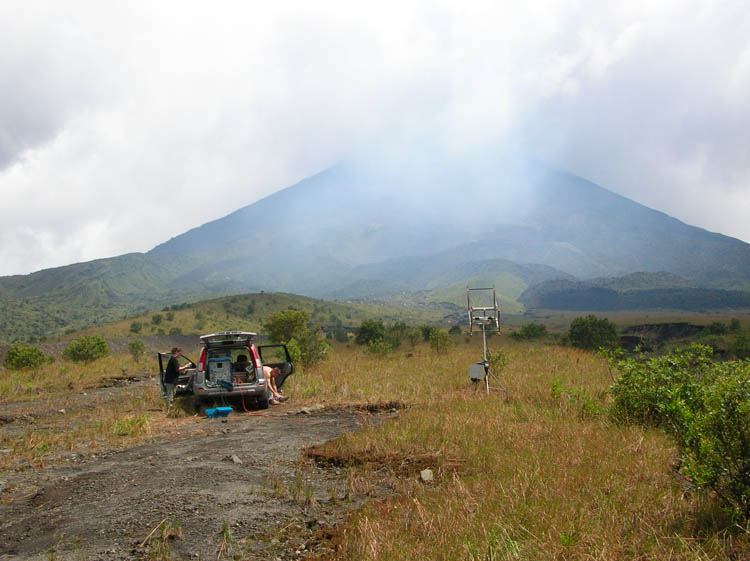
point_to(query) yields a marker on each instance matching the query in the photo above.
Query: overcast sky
(123, 124)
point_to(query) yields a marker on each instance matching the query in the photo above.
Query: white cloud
(125, 124)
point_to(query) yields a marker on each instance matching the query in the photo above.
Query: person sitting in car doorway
(171, 373)
(271, 374)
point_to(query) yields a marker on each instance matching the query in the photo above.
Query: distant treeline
(595, 298)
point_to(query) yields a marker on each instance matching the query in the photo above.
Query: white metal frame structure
(484, 316)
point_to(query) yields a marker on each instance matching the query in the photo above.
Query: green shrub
(655, 391)
(705, 406)
(440, 341)
(86, 348)
(369, 330)
(717, 328)
(735, 325)
(455, 330)
(312, 347)
(295, 352)
(530, 331)
(379, 348)
(740, 347)
(413, 335)
(593, 333)
(716, 444)
(175, 331)
(156, 319)
(24, 356)
(396, 333)
(426, 332)
(137, 349)
(340, 335)
(136, 327)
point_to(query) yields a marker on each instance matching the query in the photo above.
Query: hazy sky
(123, 124)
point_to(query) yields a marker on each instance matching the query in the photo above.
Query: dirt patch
(239, 484)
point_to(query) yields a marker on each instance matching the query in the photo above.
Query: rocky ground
(214, 488)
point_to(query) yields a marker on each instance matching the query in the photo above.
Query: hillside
(641, 291)
(411, 233)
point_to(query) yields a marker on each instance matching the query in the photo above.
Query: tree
(369, 330)
(285, 325)
(593, 333)
(86, 348)
(24, 356)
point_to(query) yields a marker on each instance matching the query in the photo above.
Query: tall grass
(538, 472)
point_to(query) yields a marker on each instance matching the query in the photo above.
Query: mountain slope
(368, 230)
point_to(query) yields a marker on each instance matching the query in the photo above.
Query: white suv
(230, 368)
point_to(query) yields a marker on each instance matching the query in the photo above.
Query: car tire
(262, 403)
(198, 405)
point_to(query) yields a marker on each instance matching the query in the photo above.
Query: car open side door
(277, 356)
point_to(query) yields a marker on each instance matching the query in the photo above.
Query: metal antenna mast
(483, 316)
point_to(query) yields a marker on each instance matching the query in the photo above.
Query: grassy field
(536, 472)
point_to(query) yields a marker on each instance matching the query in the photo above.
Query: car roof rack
(229, 336)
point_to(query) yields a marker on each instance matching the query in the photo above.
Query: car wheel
(262, 403)
(198, 405)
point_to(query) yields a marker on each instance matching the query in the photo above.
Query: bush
(86, 348)
(24, 356)
(717, 328)
(136, 327)
(413, 335)
(740, 347)
(455, 330)
(312, 348)
(440, 341)
(650, 391)
(705, 406)
(593, 333)
(396, 333)
(156, 319)
(137, 349)
(285, 325)
(340, 335)
(735, 325)
(379, 348)
(716, 447)
(426, 332)
(175, 331)
(369, 330)
(530, 331)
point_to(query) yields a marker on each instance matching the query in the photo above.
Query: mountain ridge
(353, 233)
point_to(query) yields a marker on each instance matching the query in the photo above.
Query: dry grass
(539, 473)
(65, 377)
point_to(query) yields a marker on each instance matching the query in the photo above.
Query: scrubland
(537, 471)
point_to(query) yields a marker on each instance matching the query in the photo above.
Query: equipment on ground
(484, 316)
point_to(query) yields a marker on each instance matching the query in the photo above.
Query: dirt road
(238, 485)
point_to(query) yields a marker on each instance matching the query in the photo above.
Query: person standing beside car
(171, 373)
